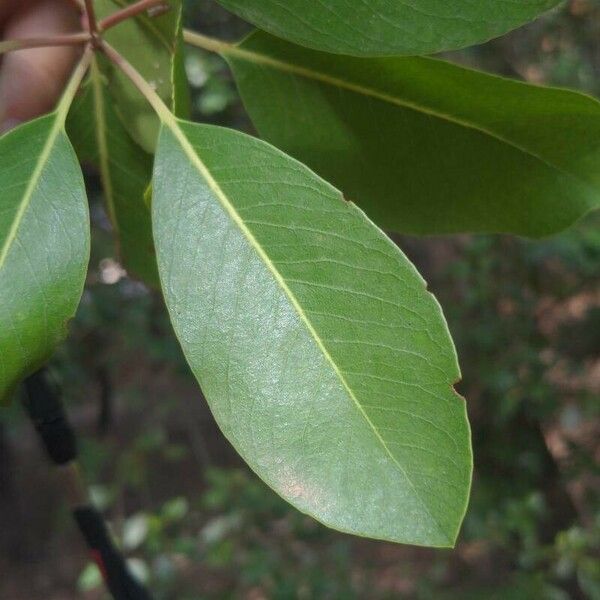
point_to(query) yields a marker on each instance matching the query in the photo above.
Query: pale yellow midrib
(231, 211)
(101, 139)
(30, 189)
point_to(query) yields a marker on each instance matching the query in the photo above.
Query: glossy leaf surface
(387, 27)
(100, 139)
(44, 245)
(325, 361)
(425, 146)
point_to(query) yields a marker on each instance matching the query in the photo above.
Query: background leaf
(100, 138)
(121, 135)
(324, 359)
(387, 27)
(44, 245)
(425, 146)
(153, 46)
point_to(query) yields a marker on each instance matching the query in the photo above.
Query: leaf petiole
(205, 42)
(143, 86)
(76, 78)
(91, 17)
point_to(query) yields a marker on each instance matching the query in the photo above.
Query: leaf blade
(44, 230)
(219, 328)
(423, 145)
(387, 27)
(125, 170)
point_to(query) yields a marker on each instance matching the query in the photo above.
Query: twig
(74, 82)
(130, 11)
(91, 17)
(205, 42)
(75, 39)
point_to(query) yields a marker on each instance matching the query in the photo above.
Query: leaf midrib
(263, 59)
(187, 147)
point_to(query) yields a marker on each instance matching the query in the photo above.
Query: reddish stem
(91, 17)
(128, 12)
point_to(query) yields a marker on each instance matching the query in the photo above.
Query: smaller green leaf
(425, 146)
(101, 139)
(44, 244)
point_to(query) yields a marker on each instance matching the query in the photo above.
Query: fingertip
(9, 124)
(31, 81)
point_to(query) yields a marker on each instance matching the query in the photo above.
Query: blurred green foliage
(501, 297)
(224, 534)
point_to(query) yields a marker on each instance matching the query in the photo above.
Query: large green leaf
(387, 27)
(100, 138)
(44, 244)
(153, 46)
(325, 361)
(425, 146)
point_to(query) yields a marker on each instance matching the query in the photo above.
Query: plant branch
(206, 43)
(91, 17)
(142, 85)
(75, 39)
(130, 11)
